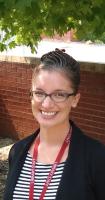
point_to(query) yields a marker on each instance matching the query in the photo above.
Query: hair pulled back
(58, 60)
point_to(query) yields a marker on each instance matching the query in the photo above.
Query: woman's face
(49, 113)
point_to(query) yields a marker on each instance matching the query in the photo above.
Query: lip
(48, 114)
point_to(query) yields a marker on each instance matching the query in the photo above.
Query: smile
(48, 113)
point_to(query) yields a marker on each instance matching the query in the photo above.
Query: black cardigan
(84, 173)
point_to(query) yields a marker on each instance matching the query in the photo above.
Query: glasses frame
(67, 95)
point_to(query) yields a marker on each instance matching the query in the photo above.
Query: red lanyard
(51, 173)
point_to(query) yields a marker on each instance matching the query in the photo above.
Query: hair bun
(56, 49)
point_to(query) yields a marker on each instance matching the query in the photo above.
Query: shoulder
(22, 145)
(92, 147)
(79, 133)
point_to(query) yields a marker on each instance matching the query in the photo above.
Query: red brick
(16, 119)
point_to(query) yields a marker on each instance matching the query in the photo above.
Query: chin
(50, 123)
(47, 123)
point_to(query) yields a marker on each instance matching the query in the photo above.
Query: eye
(59, 94)
(39, 93)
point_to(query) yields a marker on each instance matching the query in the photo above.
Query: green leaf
(28, 20)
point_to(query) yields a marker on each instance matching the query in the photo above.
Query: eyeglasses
(57, 96)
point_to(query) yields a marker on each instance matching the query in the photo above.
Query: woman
(58, 161)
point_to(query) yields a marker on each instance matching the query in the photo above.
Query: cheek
(34, 105)
(66, 108)
(69, 107)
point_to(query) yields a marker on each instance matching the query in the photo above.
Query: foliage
(26, 21)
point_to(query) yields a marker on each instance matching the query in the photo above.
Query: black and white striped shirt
(21, 191)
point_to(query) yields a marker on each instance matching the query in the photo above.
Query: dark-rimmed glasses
(56, 96)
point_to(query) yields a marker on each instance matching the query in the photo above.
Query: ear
(75, 100)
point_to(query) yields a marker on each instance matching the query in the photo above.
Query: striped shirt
(21, 191)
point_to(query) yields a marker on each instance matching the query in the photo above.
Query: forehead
(51, 80)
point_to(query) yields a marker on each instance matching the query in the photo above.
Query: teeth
(48, 113)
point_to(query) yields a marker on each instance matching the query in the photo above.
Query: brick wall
(16, 119)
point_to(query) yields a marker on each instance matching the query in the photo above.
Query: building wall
(16, 119)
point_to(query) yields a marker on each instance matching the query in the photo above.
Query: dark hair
(60, 61)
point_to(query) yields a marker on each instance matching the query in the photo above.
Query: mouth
(48, 115)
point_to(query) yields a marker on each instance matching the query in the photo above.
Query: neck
(54, 135)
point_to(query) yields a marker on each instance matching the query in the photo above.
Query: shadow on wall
(7, 128)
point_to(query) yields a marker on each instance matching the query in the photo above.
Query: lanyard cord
(52, 171)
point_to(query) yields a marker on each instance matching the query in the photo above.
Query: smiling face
(48, 113)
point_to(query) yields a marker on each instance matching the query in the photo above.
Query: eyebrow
(57, 90)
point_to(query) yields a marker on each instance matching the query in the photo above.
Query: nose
(47, 102)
